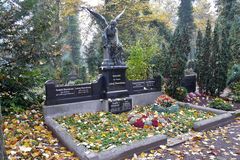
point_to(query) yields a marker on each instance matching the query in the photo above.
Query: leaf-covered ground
(220, 144)
(26, 137)
(103, 131)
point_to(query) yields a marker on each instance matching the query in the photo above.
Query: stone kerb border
(123, 151)
(217, 121)
(206, 109)
(222, 118)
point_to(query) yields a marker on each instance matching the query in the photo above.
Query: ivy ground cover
(101, 131)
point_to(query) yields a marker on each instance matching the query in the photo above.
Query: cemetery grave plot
(103, 130)
(203, 100)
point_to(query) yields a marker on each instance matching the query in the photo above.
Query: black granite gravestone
(189, 82)
(120, 105)
(115, 82)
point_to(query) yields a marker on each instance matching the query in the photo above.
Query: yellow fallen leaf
(36, 154)
(25, 149)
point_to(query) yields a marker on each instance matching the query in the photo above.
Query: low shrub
(219, 103)
(234, 74)
(236, 92)
(180, 93)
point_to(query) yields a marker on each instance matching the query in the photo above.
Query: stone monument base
(115, 81)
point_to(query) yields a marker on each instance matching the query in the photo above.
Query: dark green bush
(180, 93)
(19, 88)
(219, 103)
(236, 91)
(234, 74)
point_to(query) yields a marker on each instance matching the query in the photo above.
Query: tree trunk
(2, 148)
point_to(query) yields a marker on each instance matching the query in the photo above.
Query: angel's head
(113, 23)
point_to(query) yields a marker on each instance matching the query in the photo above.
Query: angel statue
(113, 49)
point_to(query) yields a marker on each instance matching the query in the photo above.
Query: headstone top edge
(50, 82)
(113, 67)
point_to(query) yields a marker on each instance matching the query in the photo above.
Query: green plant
(236, 91)
(203, 58)
(234, 74)
(78, 81)
(18, 88)
(180, 93)
(219, 103)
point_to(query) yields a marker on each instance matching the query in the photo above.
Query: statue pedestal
(115, 81)
(107, 62)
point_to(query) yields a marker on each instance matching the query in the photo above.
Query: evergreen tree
(185, 14)
(185, 26)
(213, 81)
(227, 12)
(74, 42)
(180, 46)
(227, 9)
(177, 65)
(94, 56)
(74, 38)
(223, 61)
(235, 36)
(204, 68)
(199, 54)
(218, 62)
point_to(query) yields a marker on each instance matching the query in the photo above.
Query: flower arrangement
(165, 101)
(147, 120)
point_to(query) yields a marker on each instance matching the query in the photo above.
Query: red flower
(139, 123)
(164, 101)
(144, 116)
(155, 122)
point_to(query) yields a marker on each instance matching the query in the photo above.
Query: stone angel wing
(119, 16)
(99, 18)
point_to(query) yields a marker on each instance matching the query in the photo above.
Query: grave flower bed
(147, 120)
(164, 103)
(101, 131)
(208, 101)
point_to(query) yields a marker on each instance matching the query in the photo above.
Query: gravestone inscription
(63, 92)
(84, 90)
(117, 80)
(150, 85)
(138, 85)
(120, 105)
